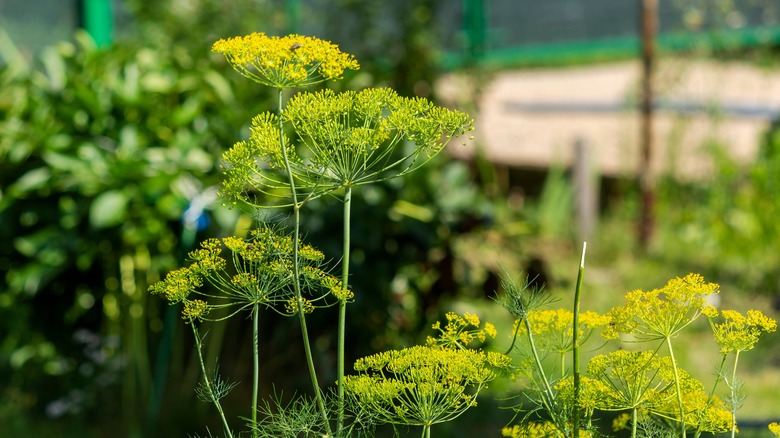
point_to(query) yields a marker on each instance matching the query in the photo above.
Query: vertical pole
(586, 196)
(474, 27)
(649, 24)
(98, 20)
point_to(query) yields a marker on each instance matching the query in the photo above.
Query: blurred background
(647, 128)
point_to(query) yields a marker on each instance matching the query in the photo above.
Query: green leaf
(32, 180)
(108, 209)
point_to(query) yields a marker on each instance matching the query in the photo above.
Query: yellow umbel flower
(532, 430)
(285, 62)
(259, 270)
(421, 385)
(461, 331)
(552, 329)
(661, 313)
(775, 429)
(631, 380)
(741, 332)
(194, 310)
(344, 139)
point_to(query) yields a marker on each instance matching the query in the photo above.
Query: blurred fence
(492, 32)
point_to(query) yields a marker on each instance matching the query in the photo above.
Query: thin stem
(343, 305)
(426, 432)
(514, 339)
(734, 395)
(634, 418)
(549, 398)
(214, 399)
(256, 367)
(575, 347)
(718, 378)
(296, 273)
(677, 387)
(563, 365)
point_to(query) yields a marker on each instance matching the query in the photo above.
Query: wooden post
(649, 24)
(585, 191)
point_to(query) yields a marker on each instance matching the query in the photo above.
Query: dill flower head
(631, 380)
(591, 394)
(177, 285)
(194, 310)
(285, 62)
(420, 385)
(262, 272)
(461, 331)
(532, 430)
(661, 313)
(552, 329)
(774, 427)
(344, 140)
(705, 413)
(738, 332)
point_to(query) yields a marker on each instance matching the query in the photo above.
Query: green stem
(677, 387)
(297, 275)
(634, 418)
(718, 378)
(426, 432)
(514, 339)
(343, 305)
(734, 395)
(549, 399)
(209, 388)
(575, 347)
(256, 367)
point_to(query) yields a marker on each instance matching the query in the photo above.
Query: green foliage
(727, 225)
(101, 153)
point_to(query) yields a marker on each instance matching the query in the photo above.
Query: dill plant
(314, 144)
(652, 395)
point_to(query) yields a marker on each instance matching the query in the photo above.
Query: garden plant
(326, 145)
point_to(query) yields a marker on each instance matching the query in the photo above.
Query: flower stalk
(343, 306)
(208, 384)
(575, 345)
(296, 272)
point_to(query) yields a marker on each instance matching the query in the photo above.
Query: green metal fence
(518, 32)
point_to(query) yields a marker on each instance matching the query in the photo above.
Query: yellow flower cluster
(621, 422)
(291, 307)
(264, 274)
(207, 258)
(533, 430)
(421, 385)
(774, 428)
(461, 331)
(661, 313)
(632, 377)
(591, 393)
(553, 329)
(740, 332)
(194, 310)
(705, 413)
(644, 381)
(347, 139)
(177, 285)
(285, 62)
(329, 282)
